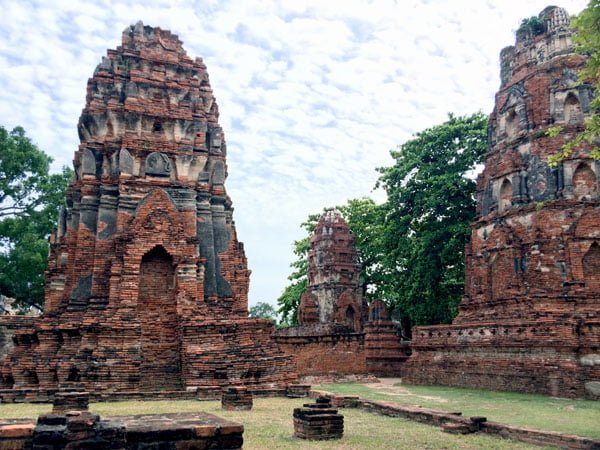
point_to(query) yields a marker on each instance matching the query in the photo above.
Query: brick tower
(334, 293)
(530, 316)
(147, 283)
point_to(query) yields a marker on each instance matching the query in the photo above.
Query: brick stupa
(530, 317)
(147, 283)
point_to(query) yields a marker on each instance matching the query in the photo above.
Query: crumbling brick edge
(455, 422)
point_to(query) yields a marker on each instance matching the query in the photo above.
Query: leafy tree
(532, 25)
(289, 300)
(366, 220)
(30, 198)
(263, 310)
(587, 42)
(431, 202)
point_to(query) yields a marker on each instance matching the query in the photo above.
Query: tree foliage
(30, 198)
(587, 42)
(412, 246)
(431, 202)
(289, 300)
(263, 310)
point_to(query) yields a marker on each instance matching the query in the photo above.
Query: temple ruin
(338, 333)
(146, 288)
(530, 317)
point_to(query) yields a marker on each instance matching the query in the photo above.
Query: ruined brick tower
(530, 316)
(334, 293)
(337, 333)
(147, 284)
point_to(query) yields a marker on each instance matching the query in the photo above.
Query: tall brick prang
(530, 317)
(147, 283)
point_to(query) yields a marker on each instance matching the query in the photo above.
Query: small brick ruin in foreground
(146, 288)
(71, 426)
(318, 421)
(236, 398)
(530, 317)
(338, 332)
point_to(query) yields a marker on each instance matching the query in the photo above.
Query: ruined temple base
(560, 358)
(56, 355)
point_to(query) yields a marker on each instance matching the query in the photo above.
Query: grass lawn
(269, 426)
(580, 417)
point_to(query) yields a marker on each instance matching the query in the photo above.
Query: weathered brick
(147, 284)
(530, 316)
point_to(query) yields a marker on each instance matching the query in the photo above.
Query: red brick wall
(326, 354)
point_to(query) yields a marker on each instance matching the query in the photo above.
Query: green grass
(269, 426)
(580, 417)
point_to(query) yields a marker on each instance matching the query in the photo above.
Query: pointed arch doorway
(160, 367)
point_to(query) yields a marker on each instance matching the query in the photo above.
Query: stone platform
(83, 430)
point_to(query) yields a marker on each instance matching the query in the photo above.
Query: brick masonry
(318, 421)
(530, 317)
(83, 430)
(147, 284)
(338, 332)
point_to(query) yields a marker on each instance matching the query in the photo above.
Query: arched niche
(591, 267)
(350, 316)
(572, 109)
(512, 124)
(584, 182)
(160, 366)
(505, 200)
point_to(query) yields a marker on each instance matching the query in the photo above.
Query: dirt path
(391, 386)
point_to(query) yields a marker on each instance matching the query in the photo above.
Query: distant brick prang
(530, 317)
(338, 333)
(147, 284)
(335, 291)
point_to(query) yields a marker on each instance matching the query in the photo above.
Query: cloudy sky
(312, 94)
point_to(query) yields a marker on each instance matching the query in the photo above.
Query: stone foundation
(82, 430)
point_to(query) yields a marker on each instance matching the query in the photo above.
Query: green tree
(263, 310)
(431, 202)
(587, 42)
(30, 198)
(289, 300)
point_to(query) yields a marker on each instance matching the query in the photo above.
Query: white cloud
(313, 94)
